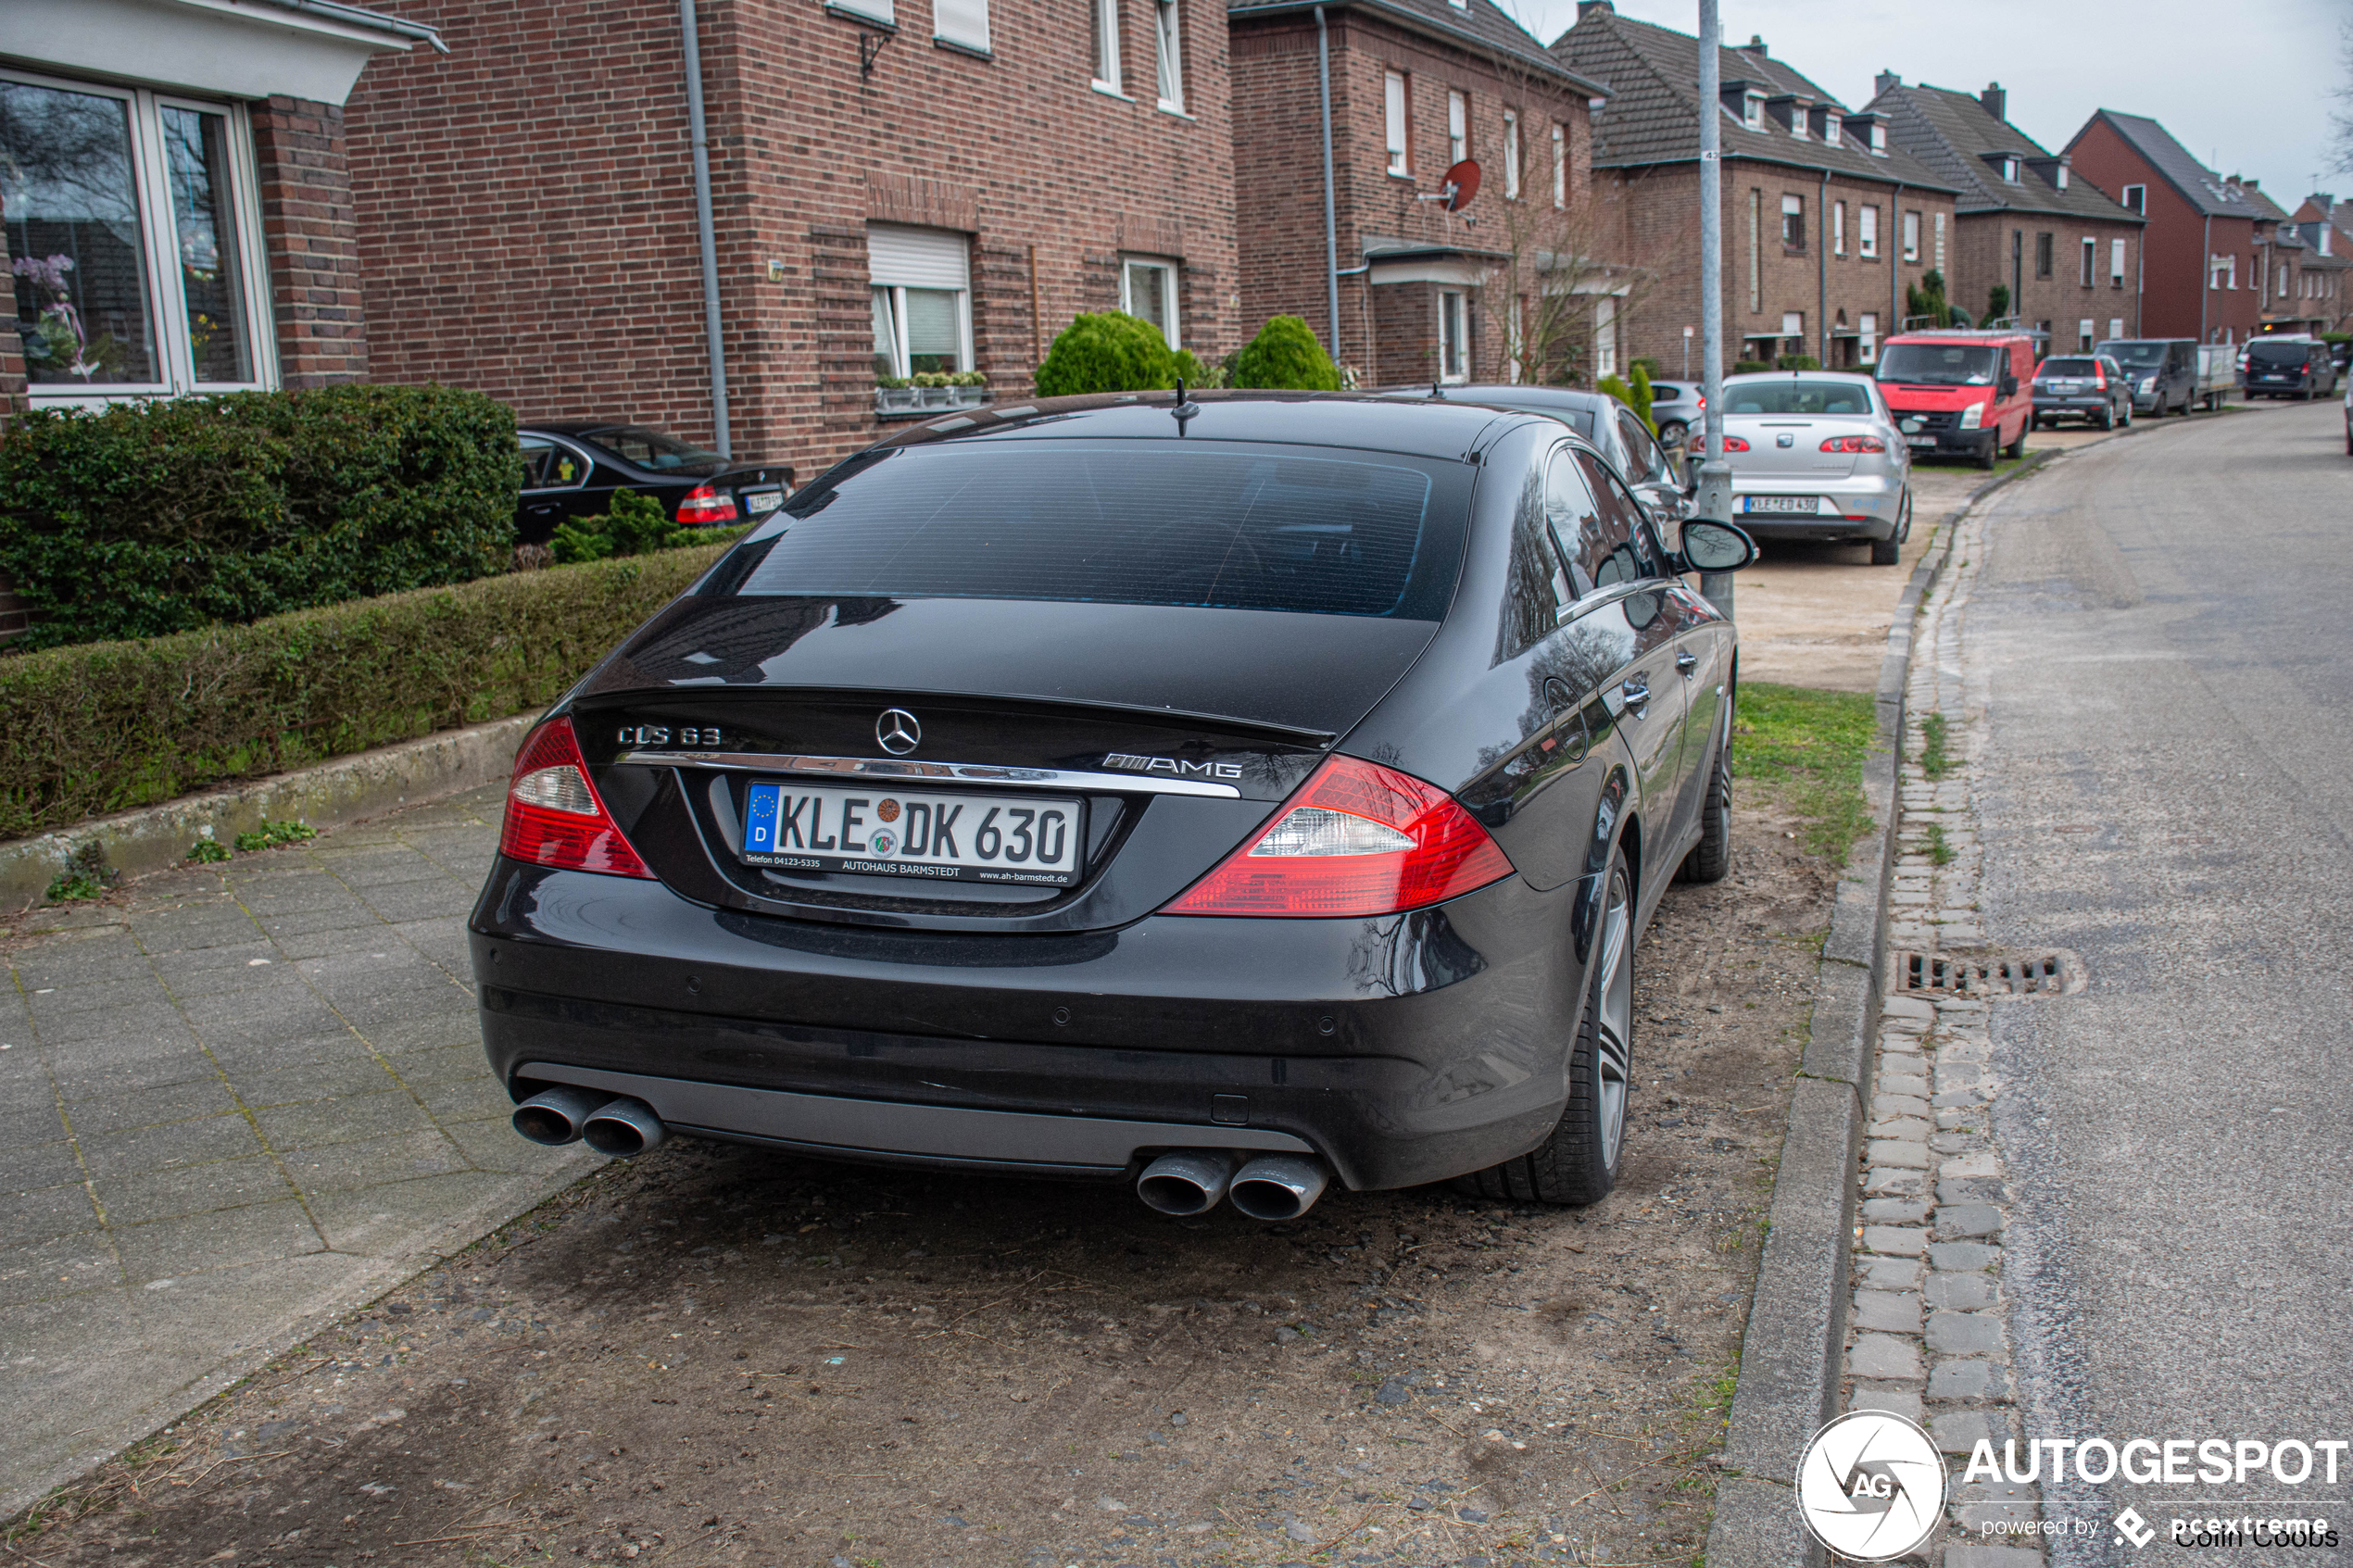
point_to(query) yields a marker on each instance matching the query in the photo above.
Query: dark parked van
(2290, 366)
(2164, 371)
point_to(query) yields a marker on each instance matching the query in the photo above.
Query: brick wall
(1660, 209)
(2175, 300)
(1389, 331)
(12, 374)
(1983, 258)
(310, 231)
(528, 221)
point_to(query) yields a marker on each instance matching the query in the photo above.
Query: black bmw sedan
(1228, 798)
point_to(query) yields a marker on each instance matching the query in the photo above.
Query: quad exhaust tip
(1193, 1181)
(617, 1126)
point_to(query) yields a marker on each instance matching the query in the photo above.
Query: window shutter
(916, 258)
(878, 9)
(961, 22)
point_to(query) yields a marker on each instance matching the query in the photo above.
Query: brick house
(2203, 250)
(2067, 256)
(2325, 225)
(1826, 219)
(175, 195)
(1416, 86)
(898, 186)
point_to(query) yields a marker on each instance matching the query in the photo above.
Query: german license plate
(758, 502)
(1015, 838)
(1919, 440)
(1804, 505)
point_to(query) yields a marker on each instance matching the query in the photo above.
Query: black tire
(2108, 416)
(1671, 433)
(1711, 857)
(2016, 449)
(1887, 552)
(1984, 456)
(1578, 1162)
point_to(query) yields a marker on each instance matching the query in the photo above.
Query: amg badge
(1170, 765)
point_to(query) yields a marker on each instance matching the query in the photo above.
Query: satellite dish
(1459, 184)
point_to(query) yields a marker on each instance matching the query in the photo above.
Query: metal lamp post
(1715, 496)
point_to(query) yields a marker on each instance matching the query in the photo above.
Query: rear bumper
(1404, 1050)
(1868, 507)
(2090, 406)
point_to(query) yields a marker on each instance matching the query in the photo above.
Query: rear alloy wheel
(1578, 1162)
(1671, 433)
(1711, 856)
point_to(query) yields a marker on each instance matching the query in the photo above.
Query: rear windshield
(1220, 525)
(2068, 367)
(1939, 364)
(1579, 419)
(651, 448)
(1797, 397)
(2141, 354)
(2278, 353)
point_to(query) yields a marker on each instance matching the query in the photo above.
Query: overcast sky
(2243, 85)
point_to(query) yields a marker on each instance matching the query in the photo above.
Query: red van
(1965, 392)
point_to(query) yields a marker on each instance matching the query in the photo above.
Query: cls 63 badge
(658, 734)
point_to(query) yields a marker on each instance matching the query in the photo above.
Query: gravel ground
(719, 1356)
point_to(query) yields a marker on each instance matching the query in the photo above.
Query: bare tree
(2341, 118)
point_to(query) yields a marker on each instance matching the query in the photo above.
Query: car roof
(577, 427)
(1810, 375)
(1360, 422)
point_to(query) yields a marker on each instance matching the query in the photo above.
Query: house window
(1458, 128)
(1560, 165)
(1106, 15)
(1752, 109)
(1866, 335)
(1606, 337)
(2043, 254)
(1838, 228)
(1793, 222)
(2137, 198)
(137, 241)
(963, 23)
(1168, 36)
(2282, 282)
(1867, 232)
(2009, 169)
(1911, 236)
(1756, 250)
(2083, 335)
(1793, 332)
(2091, 260)
(2116, 326)
(1393, 99)
(2116, 264)
(1511, 155)
(1453, 345)
(1940, 242)
(1148, 292)
(922, 287)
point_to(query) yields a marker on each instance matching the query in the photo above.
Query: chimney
(1755, 46)
(2250, 184)
(1586, 7)
(1997, 102)
(1888, 81)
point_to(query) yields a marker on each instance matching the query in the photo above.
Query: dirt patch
(719, 1356)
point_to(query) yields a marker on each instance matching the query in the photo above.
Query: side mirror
(1715, 546)
(2009, 386)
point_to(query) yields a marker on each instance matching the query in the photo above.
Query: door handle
(1687, 661)
(1637, 695)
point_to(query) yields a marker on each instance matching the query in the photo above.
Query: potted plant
(893, 395)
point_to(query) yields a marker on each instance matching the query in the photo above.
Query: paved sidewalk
(233, 1103)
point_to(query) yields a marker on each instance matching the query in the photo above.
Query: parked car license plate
(1806, 505)
(1920, 441)
(1017, 838)
(760, 501)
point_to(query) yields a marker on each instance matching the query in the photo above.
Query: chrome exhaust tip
(624, 1128)
(1278, 1187)
(1191, 1181)
(555, 1118)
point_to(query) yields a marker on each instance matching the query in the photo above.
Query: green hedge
(150, 518)
(108, 726)
(1286, 353)
(1111, 351)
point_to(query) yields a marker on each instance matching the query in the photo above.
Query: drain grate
(1975, 974)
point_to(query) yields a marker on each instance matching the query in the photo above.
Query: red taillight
(554, 817)
(704, 504)
(1853, 444)
(1356, 839)
(1734, 443)
(1702, 400)
(2099, 378)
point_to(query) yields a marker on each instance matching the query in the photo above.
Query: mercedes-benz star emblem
(897, 731)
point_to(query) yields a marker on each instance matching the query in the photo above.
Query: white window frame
(1168, 267)
(2091, 262)
(1867, 232)
(1560, 165)
(1753, 110)
(898, 350)
(2116, 326)
(1454, 331)
(1792, 206)
(1107, 76)
(1168, 41)
(1911, 234)
(1511, 155)
(1457, 126)
(1397, 111)
(2116, 262)
(963, 24)
(1867, 337)
(2083, 332)
(1606, 337)
(2137, 199)
(1838, 228)
(151, 184)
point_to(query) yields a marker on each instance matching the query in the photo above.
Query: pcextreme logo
(1871, 1486)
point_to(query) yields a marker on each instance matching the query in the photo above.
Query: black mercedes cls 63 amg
(1226, 795)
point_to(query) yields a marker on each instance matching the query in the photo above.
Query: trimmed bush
(1748, 367)
(1797, 362)
(1286, 353)
(1636, 396)
(150, 518)
(110, 727)
(1110, 352)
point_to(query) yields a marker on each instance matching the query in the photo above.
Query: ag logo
(1871, 1486)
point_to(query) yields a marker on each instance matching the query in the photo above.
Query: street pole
(1714, 498)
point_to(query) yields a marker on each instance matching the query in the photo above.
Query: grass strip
(1805, 748)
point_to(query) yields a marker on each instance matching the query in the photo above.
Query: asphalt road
(2161, 645)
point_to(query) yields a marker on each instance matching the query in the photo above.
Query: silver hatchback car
(1814, 455)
